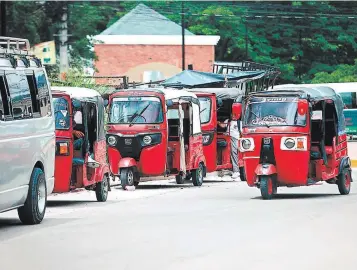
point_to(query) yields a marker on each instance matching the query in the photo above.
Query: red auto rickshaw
(294, 136)
(83, 163)
(216, 105)
(153, 132)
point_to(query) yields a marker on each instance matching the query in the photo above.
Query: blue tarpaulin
(192, 78)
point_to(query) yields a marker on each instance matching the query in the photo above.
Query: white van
(27, 132)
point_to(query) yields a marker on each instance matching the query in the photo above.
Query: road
(222, 225)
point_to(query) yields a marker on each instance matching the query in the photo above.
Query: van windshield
(261, 111)
(137, 110)
(61, 113)
(205, 109)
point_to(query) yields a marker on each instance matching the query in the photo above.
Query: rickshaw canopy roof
(169, 93)
(221, 93)
(192, 78)
(316, 93)
(80, 93)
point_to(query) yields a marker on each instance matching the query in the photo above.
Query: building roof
(143, 20)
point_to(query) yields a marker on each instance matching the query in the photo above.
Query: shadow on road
(9, 222)
(63, 203)
(218, 181)
(293, 196)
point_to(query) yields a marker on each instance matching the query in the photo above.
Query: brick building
(145, 45)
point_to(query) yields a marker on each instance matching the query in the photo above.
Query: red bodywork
(153, 159)
(292, 168)
(86, 177)
(211, 150)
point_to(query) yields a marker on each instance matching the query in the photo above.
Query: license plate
(128, 141)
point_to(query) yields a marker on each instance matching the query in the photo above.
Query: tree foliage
(310, 41)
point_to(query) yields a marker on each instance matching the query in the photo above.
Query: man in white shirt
(234, 133)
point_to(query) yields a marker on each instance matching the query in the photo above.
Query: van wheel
(242, 174)
(34, 208)
(197, 175)
(267, 188)
(344, 182)
(127, 177)
(102, 189)
(180, 179)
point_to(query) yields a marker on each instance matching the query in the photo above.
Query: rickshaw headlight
(289, 143)
(112, 140)
(246, 144)
(147, 139)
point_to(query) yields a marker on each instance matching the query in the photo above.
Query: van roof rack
(15, 46)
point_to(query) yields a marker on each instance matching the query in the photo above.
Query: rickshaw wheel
(242, 174)
(127, 177)
(188, 176)
(267, 188)
(344, 182)
(102, 189)
(197, 175)
(180, 179)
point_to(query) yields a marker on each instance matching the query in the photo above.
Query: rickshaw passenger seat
(78, 161)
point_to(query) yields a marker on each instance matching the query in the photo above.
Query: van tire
(31, 213)
(102, 189)
(197, 175)
(127, 177)
(180, 179)
(344, 182)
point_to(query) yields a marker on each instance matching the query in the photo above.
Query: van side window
(43, 93)
(19, 93)
(34, 93)
(4, 103)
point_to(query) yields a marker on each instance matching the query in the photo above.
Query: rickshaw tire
(136, 183)
(196, 176)
(343, 188)
(188, 176)
(242, 174)
(180, 179)
(124, 177)
(100, 193)
(29, 212)
(266, 190)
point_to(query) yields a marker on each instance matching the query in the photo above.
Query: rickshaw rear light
(246, 144)
(63, 148)
(147, 139)
(300, 144)
(289, 143)
(112, 140)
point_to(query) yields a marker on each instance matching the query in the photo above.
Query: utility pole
(3, 18)
(183, 35)
(63, 37)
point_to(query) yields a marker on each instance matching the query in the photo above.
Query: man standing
(234, 134)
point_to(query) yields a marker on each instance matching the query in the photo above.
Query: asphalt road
(218, 226)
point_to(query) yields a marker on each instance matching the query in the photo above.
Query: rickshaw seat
(329, 150)
(221, 144)
(78, 161)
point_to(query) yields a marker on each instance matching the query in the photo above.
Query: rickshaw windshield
(273, 112)
(205, 109)
(136, 110)
(61, 113)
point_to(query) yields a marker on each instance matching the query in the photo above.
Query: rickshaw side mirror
(169, 103)
(316, 115)
(236, 111)
(302, 107)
